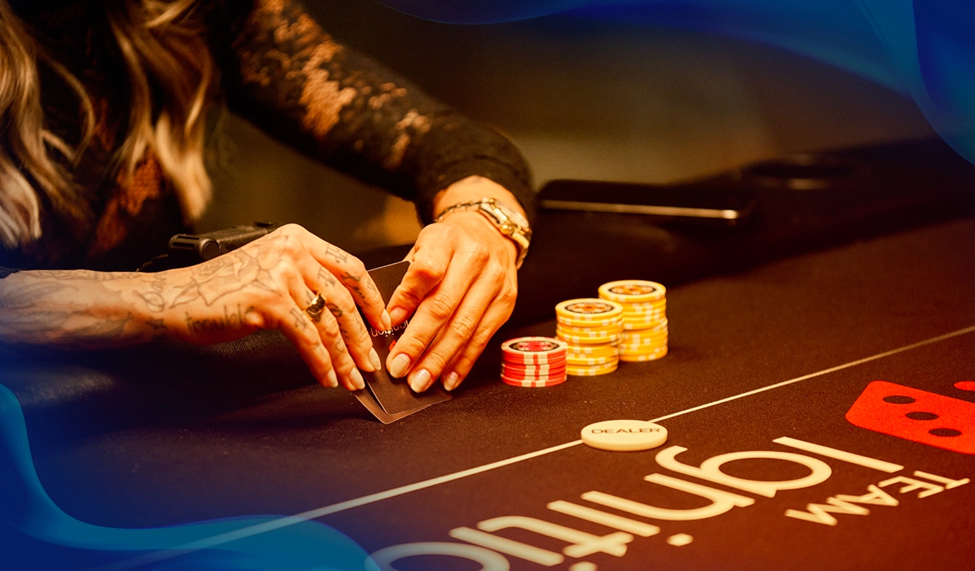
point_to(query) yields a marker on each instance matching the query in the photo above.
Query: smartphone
(693, 203)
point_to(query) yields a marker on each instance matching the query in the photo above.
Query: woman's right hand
(268, 284)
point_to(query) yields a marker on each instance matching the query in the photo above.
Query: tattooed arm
(265, 284)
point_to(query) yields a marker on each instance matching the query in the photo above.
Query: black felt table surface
(306, 447)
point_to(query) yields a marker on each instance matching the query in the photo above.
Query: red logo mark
(916, 415)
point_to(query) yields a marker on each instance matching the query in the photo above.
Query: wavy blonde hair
(170, 80)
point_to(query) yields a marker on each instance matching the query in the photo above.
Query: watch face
(513, 215)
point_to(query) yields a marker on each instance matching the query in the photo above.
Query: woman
(104, 107)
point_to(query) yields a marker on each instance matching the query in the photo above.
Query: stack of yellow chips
(592, 328)
(644, 313)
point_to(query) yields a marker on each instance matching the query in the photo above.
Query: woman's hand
(460, 288)
(268, 283)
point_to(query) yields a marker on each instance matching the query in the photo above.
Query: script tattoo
(353, 282)
(336, 310)
(231, 319)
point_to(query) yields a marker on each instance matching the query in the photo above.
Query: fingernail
(333, 381)
(387, 322)
(420, 381)
(451, 382)
(357, 380)
(396, 316)
(399, 365)
(374, 360)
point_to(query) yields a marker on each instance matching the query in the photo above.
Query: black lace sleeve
(284, 73)
(4, 272)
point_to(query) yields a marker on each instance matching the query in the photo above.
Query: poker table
(819, 398)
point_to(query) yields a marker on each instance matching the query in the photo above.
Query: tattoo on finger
(301, 318)
(339, 255)
(327, 277)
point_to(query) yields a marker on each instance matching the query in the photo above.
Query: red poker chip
(540, 369)
(514, 374)
(519, 377)
(533, 384)
(534, 350)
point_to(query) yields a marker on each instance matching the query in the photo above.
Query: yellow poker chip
(578, 352)
(642, 326)
(632, 291)
(594, 331)
(591, 371)
(593, 350)
(612, 322)
(589, 309)
(576, 361)
(629, 339)
(647, 328)
(573, 340)
(643, 350)
(640, 358)
(644, 306)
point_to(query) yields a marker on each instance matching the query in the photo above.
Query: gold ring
(316, 308)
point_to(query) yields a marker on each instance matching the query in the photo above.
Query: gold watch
(513, 225)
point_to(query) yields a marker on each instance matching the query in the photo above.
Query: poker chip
(534, 350)
(534, 369)
(639, 358)
(645, 327)
(592, 350)
(591, 328)
(589, 310)
(632, 291)
(577, 361)
(596, 331)
(532, 384)
(591, 371)
(534, 362)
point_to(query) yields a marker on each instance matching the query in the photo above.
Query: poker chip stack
(644, 321)
(533, 362)
(592, 329)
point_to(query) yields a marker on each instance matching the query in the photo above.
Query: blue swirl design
(924, 49)
(36, 534)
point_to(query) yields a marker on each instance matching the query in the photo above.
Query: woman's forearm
(76, 308)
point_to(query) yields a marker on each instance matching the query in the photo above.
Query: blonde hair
(170, 80)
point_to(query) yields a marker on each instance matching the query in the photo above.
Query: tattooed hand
(265, 284)
(462, 285)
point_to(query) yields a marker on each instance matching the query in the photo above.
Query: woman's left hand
(460, 288)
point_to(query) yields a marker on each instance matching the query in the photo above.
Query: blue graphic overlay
(36, 534)
(924, 49)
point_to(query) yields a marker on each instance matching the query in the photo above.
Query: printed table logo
(916, 415)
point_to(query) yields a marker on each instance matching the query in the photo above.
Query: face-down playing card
(387, 398)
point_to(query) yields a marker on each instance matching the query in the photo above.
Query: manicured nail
(397, 315)
(333, 381)
(357, 380)
(377, 364)
(399, 365)
(387, 323)
(450, 383)
(420, 381)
